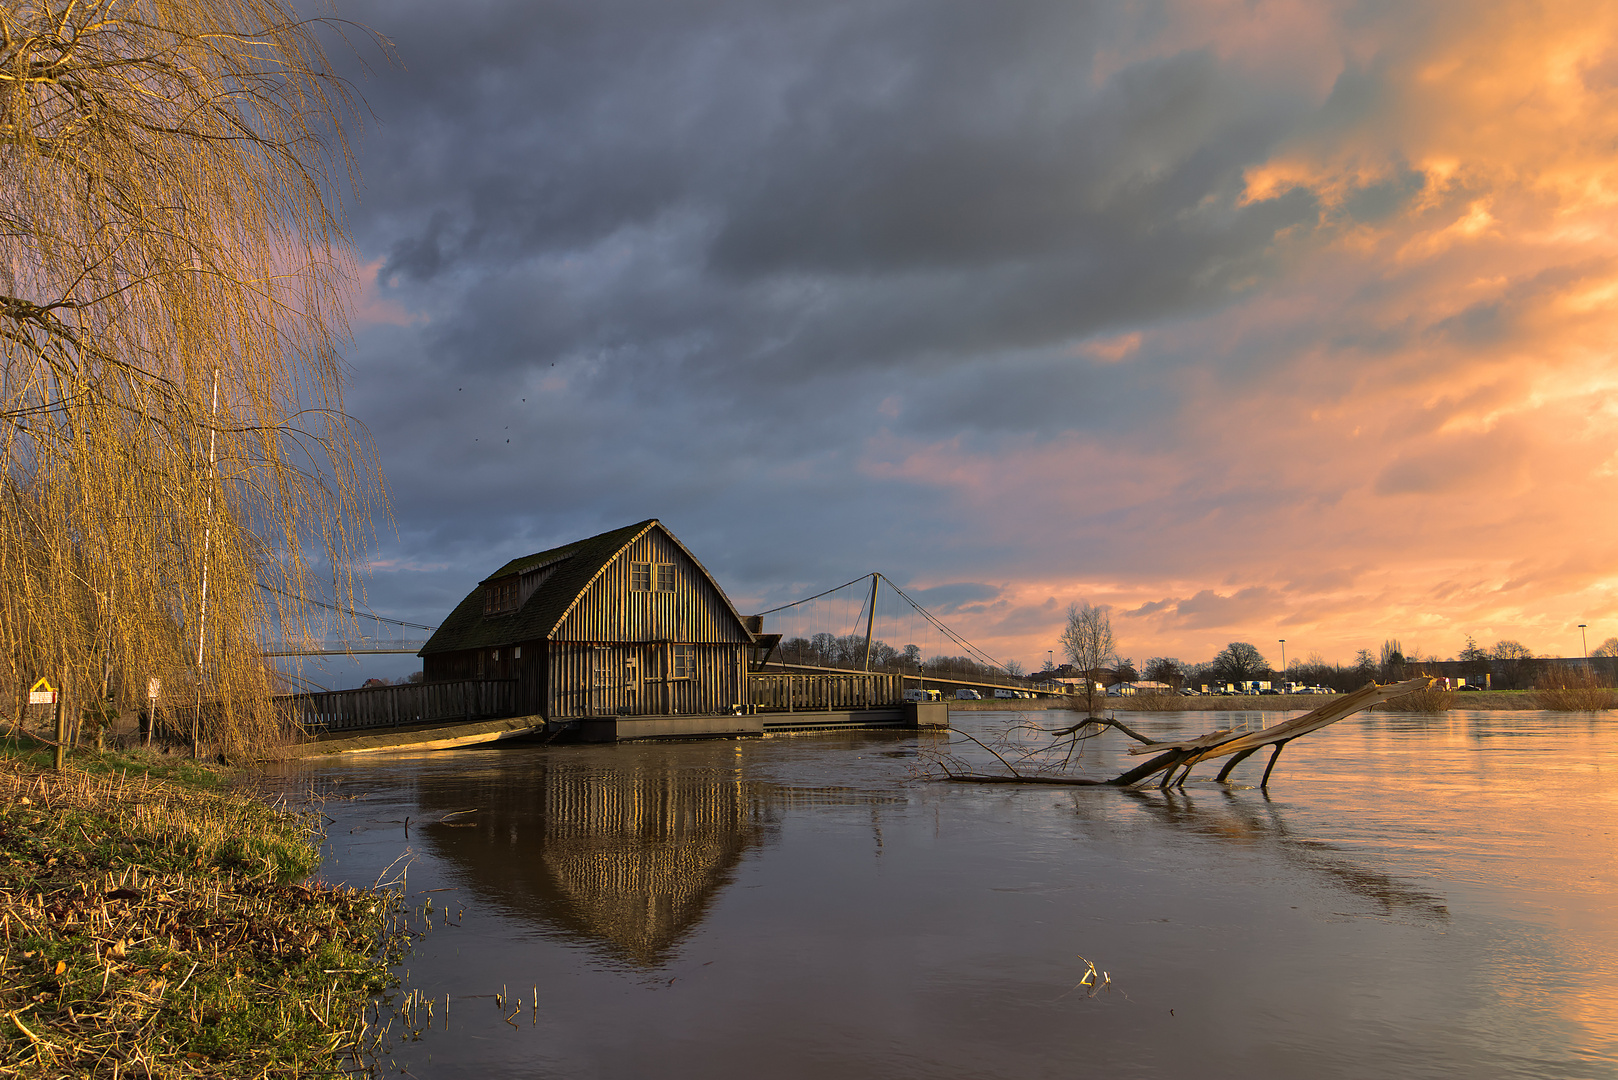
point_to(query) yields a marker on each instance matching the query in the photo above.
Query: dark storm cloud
(846, 186)
(728, 263)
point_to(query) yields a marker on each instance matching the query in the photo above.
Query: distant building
(1143, 686)
(627, 623)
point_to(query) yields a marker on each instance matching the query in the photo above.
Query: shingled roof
(577, 565)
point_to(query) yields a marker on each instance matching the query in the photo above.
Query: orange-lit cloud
(1424, 441)
(1251, 319)
(371, 306)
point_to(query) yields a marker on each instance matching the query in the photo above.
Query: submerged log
(1187, 753)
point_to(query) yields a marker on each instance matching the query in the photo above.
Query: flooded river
(1417, 897)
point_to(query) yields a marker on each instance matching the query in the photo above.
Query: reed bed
(151, 928)
(1434, 700)
(1573, 691)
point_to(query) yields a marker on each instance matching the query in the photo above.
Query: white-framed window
(665, 577)
(494, 654)
(682, 661)
(516, 652)
(640, 576)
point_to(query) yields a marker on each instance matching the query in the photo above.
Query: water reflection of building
(628, 858)
(638, 860)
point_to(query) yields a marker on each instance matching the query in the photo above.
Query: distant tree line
(1509, 664)
(848, 652)
(1088, 644)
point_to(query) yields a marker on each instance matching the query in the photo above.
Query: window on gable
(683, 662)
(640, 576)
(665, 577)
(500, 597)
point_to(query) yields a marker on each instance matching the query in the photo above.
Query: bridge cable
(817, 596)
(351, 611)
(962, 642)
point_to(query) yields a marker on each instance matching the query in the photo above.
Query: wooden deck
(911, 715)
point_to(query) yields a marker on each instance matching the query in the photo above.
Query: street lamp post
(1283, 661)
(1584, 642)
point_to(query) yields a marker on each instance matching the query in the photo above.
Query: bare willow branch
(166, 221)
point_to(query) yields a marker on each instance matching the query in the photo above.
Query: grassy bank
(153, 925)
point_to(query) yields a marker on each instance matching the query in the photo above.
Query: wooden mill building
(624, 635)
(624, 624)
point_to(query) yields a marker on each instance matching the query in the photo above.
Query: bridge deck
(440, 736)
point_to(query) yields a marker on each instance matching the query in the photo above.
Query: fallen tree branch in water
(1176, 759)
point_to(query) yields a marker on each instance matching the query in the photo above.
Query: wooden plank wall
(596, 680)
(529, 670)
(388, 706)
(610, 610)
(798, 693)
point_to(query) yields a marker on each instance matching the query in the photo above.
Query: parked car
(1005, 693)
(1188, 692)
(963, 694)
(1468, 686)
(914, 694)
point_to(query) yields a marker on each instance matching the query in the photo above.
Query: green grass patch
(154, 925)
(25, 750)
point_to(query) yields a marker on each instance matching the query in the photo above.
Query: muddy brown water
(1418, 896)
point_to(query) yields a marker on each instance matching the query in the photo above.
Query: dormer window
(500, 597)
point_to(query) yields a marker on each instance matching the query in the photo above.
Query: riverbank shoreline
(156, 918)
(1481, 701)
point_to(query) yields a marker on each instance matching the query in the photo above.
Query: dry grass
(1572, 691)
(154, 929)
(1435, 700)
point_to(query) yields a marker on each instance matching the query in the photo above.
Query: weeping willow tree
(172, 292)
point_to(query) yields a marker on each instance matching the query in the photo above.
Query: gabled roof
(574, 567)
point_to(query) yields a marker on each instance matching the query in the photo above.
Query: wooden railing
(390, 706)
(770, 692)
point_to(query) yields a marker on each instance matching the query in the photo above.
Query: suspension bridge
(852, 656)
(872, 624)
(863, 625)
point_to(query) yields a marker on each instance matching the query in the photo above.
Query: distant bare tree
(1240, 661)
(1393, 661)
(1510, 650)
(1089, 645)
(1606, 648)
(1166, 669)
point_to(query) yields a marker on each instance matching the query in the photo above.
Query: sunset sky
(1251, 320)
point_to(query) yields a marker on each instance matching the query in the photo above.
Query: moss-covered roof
(577, 565)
